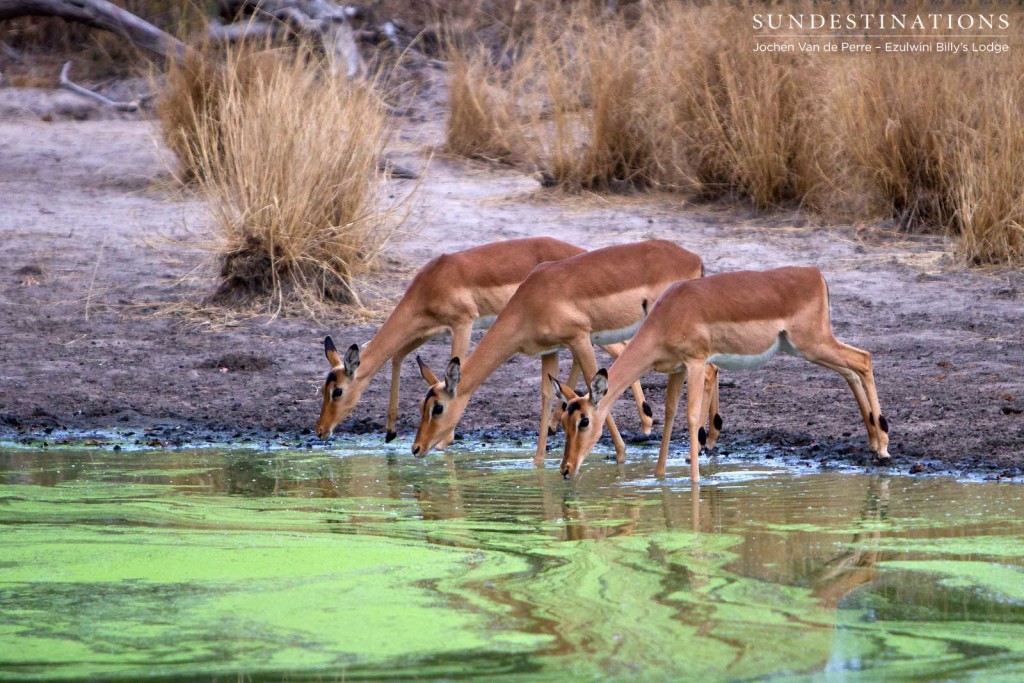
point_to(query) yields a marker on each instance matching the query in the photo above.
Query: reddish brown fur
(742, 313)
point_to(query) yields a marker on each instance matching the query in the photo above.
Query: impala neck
(637, 359)
(500, 343)
(396, 333)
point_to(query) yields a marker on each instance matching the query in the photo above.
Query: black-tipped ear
(643, 305)
(557, 386)
(598, 386)
(331, 351)
(352, 360)
(425, 372)
(563, 391)
(453, 375)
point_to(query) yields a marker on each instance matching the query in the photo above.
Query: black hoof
(390, 436)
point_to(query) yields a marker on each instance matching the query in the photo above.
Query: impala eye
(338, 391)
(584, 422)
(437, 409)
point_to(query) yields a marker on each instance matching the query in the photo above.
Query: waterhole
(271, 565)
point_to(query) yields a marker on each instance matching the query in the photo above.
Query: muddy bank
(84, 346)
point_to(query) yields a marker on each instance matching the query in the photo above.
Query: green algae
(291, 565)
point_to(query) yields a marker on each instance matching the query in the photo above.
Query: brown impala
(453, 293)
(595, 298)
(736, 321)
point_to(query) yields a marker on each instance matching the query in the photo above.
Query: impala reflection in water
(477, 565)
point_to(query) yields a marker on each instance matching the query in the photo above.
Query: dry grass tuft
(287, 156)
(480, 124)
(674, 97)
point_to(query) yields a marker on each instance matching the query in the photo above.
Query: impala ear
(331, 351)
(352, 360)
(598, 386)
(563, 391)
(643, 305)
(426, 373)
(453, 375)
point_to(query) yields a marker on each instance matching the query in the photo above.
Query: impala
(454, 293)
(598, 297)
(736, 321)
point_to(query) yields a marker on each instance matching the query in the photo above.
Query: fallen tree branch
(67, 84)
(99, 14)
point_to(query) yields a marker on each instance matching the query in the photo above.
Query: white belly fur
(614, 336)
(484, 322)
(735, 361)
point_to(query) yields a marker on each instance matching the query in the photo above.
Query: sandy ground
(84, 346)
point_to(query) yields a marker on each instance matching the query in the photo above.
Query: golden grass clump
(674, 97)
(988, 162)
(480, 123)
(287, 155)
(737, 122)
(188, 101)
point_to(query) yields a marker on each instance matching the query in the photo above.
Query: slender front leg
(548, 366)
(695, 414)
(574, 377)
(675, 390)
(584, 353)
(642, 407)
(461, 335)
(711, 401)
(396, 377)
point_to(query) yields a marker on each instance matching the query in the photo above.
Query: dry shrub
(480, 123)
(287, 155)
(988, 163)
(739, 122)
(674, 97)
(937, 144)
(188, 101)
(894, 120)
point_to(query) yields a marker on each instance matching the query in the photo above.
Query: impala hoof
(390, 436)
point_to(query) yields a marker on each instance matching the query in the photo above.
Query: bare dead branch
(99, 14)
(67, 84)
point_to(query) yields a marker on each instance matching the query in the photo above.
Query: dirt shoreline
(82, 346)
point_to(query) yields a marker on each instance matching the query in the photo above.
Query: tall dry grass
(287, 156)
(675, 98)
(480, 124)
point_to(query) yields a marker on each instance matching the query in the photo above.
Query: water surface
(352, 564)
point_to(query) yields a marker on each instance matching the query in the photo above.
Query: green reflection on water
(201, 563)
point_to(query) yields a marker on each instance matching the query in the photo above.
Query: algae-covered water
(345, 565)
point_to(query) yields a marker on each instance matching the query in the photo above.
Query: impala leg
(855, 367)
(574, 377)
(642, 407)
(548, 366)
(711, 401)
(396, 378)
(695, 414)
(672, 395)
(461, 335)
(584, 353)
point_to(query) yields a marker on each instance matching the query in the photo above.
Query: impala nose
(566, 473)
(415, 449)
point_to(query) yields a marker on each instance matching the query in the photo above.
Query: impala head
(437, 417)
(338, 400)
(581, 420)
